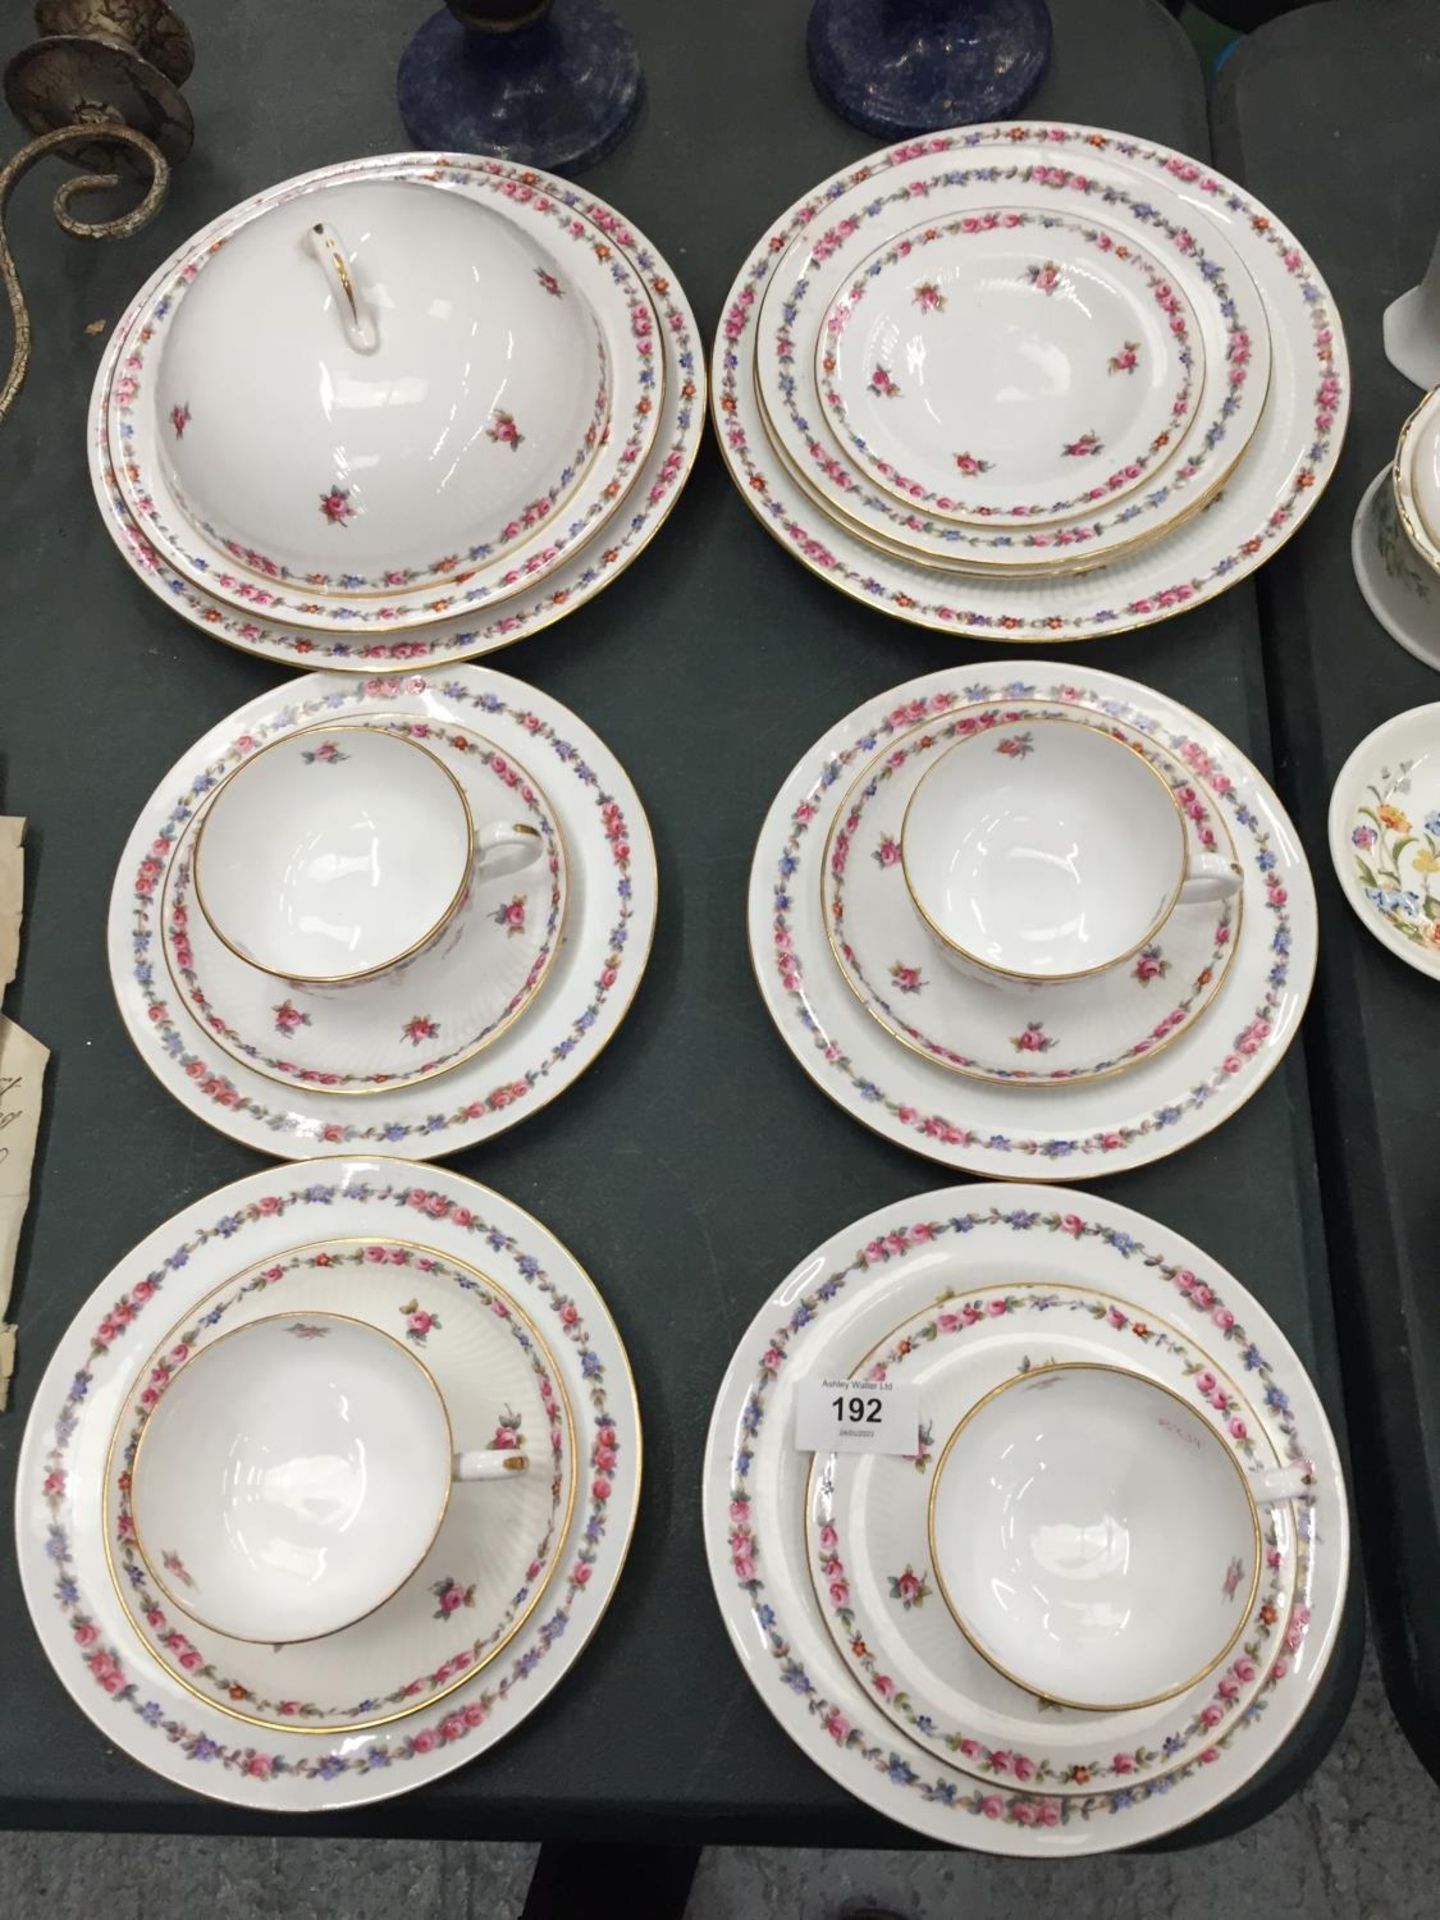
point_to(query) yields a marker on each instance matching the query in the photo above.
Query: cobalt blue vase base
(895, 68)
(559, 94)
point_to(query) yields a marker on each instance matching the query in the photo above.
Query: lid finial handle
(355, 315)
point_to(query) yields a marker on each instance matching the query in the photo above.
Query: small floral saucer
(1385, 834)
(592, 980)
(867, 1521)
(413, 1022)
(495, 1550)
(996, 1030)
(1399, 588)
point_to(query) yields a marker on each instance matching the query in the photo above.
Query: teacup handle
(488, 1463)
(1211, 877)
(1292, 1482)
(355, 315)
(498, 834)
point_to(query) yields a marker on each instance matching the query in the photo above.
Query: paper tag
(857, 1416)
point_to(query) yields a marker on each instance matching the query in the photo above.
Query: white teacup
(294, 1474)
(336, 854)
(1047, 850)
(1094, 1537)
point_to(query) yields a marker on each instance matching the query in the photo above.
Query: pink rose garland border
(952, 1317)
(319, 650)
(834, 882)
(176, 941)
(106, 1666)
(215, 1082)
(170, 1635)
(1247, 1045)
(1328, 398)
(1014, 1808)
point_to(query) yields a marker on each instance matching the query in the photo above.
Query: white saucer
(1399, 589)
(1384, 831)
(521, 613)
(1010, 369)
(611, 918)
(409, 1024)
(494, 1554)
(135, 1705)
(818, 1322)
(1155, 1108)
(1127, 183)
(868, 1524)
(1008, 1032)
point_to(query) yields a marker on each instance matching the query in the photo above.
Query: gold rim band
(991, 1659)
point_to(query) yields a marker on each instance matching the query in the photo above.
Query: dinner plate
(1384, 832)
(1155, 1108)
(1009, 368)
(527, 609)
(611, 877)
(868, 1519)
(409, 1023)
(521, 552)
(1129, 183)
(494, 1553)
(818, 1321)
(1011, 1032)
(135, 1704)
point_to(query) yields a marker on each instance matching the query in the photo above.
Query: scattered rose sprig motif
(420, 1322)
(335, 506)
(504, 431)
(1033, 1039)
(909, 1588)
(450, 1596)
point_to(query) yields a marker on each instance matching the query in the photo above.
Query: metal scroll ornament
(101, 88)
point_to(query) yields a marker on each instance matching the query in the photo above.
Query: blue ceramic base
(896, 67)
(559, 94)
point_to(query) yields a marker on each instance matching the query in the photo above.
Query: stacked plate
(394, 915)
(1027, 923)
(1018, 380)
(1085, 1585)
(328, 1484)
(401, 410)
